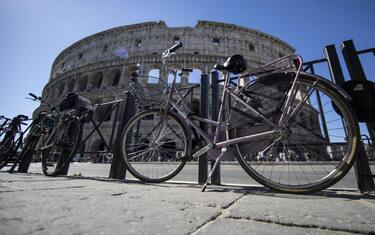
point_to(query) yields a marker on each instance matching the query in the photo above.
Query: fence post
(203, 162)
(362, 169)
(127, 111)
(215, 179)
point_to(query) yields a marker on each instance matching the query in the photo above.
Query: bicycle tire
(60, 147)
(165, 156)
(7, 152)
(307, 158)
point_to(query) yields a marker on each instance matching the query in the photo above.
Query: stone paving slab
(35, 204)
(244, 226)
(337, 212)
(70, 206)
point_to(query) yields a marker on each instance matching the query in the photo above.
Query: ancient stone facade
(99, 66)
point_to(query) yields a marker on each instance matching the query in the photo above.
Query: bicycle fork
(223, 151)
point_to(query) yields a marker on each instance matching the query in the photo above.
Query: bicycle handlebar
(6, 119)
(175, 47)
(171, 50)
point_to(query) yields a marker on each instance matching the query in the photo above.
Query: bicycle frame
(287, 111)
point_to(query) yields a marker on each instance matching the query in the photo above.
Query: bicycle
(291, 131)
(12, 140)
(36, 132)
(4, 125)
(65, 138)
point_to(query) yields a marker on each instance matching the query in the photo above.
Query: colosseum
(99, 66)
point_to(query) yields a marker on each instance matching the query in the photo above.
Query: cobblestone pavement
(35, 204)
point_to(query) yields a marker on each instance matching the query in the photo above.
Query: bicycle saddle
(235, 64)
(22, 117)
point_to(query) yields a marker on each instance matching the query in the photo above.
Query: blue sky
(34, 32)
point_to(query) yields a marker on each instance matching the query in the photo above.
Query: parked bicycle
(4, 125)
(26, 146)
(12, 139)
(291, 131)
(65, 138)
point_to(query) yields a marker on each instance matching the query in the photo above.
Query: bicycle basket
(74, 101)
(266, 95)
(150, 93)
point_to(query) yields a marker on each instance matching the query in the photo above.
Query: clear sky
(34, 32)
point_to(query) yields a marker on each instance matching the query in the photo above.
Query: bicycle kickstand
(223, 151)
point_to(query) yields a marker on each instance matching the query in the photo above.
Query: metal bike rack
(363, 172)
(203, 161)
(127, 111)
(204, 107)
(215, 179)
(362, 169)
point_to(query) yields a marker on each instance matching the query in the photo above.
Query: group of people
(94, 158)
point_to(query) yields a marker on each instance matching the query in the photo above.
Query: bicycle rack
(127, 111)
(362, 169)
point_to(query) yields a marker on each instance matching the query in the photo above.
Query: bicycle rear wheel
(155, 145)
(9, 147)
(58, 149)
(317, 148)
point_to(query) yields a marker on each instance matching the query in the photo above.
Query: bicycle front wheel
(155, 146)
(59, 147)
(314, 151)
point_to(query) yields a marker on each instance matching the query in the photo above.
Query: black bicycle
(28, 139)
(12, 134)
(4, 125)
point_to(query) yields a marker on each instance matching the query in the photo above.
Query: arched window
(97, 146)
(195, 76)
(216, 41)
(114, 77)
(82, 83)
(251, 47)
(153, 76)
(103, 113)
(97, 80)
(70, 85)
(61, 89)
(138, 42)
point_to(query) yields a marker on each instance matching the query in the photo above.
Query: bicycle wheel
(28, 148)
(8, 148)
(155, 145)
(313, 152)
(60, 146)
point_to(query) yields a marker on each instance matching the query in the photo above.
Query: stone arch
(81, 84)
(60, 90)
(153, 76)
(97, 145)
(194, 76)
(96, 80)
(51, 92)
(70, 85)
(114, 77)
(103, 113)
